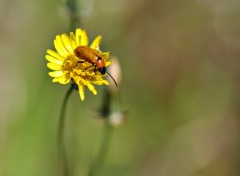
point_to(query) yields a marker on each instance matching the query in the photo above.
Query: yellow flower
(67, 67)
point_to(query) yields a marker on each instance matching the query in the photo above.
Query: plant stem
(74, 17)
(63, 161)
(97, 165)
(61, 147)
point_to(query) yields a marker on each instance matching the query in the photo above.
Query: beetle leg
(80, 62)
(89, 67)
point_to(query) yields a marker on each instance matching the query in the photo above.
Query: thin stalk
(60, 135)
(74, 16)
(63, 160)
(99, 161)
(97, 165)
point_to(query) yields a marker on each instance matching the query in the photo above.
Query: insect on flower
(93, 57)
(75, 61)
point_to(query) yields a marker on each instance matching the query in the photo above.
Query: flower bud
(117, 118)
(115, 71)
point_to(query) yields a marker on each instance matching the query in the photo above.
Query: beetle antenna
(112, 79)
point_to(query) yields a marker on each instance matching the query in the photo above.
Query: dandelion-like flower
(69, 66)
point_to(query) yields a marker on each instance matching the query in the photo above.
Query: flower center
(69, 63)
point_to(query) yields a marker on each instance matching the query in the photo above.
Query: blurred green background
(181, 84)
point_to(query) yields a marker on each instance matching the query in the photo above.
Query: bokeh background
(180, 88)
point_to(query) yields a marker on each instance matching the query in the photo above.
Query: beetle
(93, 57)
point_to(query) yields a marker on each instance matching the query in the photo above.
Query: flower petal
(84, 38)
(91, 88)
(54, 66)
(73, 40)
(83, 81)
(56, 73)
(95, 44)
(59, 46)
(107, 63)
(100, 82)
(53, 59)
(105, 55)
(78, 36)
(55, 54)
(66, 42)
(81, 91)
(62, 79)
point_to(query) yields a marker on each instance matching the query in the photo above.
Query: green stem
(61, 147)
(74, 17)
(99, 161)
(97, 165)
(64, 165)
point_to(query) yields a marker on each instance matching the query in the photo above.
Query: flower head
(77, 66)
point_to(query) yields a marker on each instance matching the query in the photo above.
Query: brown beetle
(93, 57)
